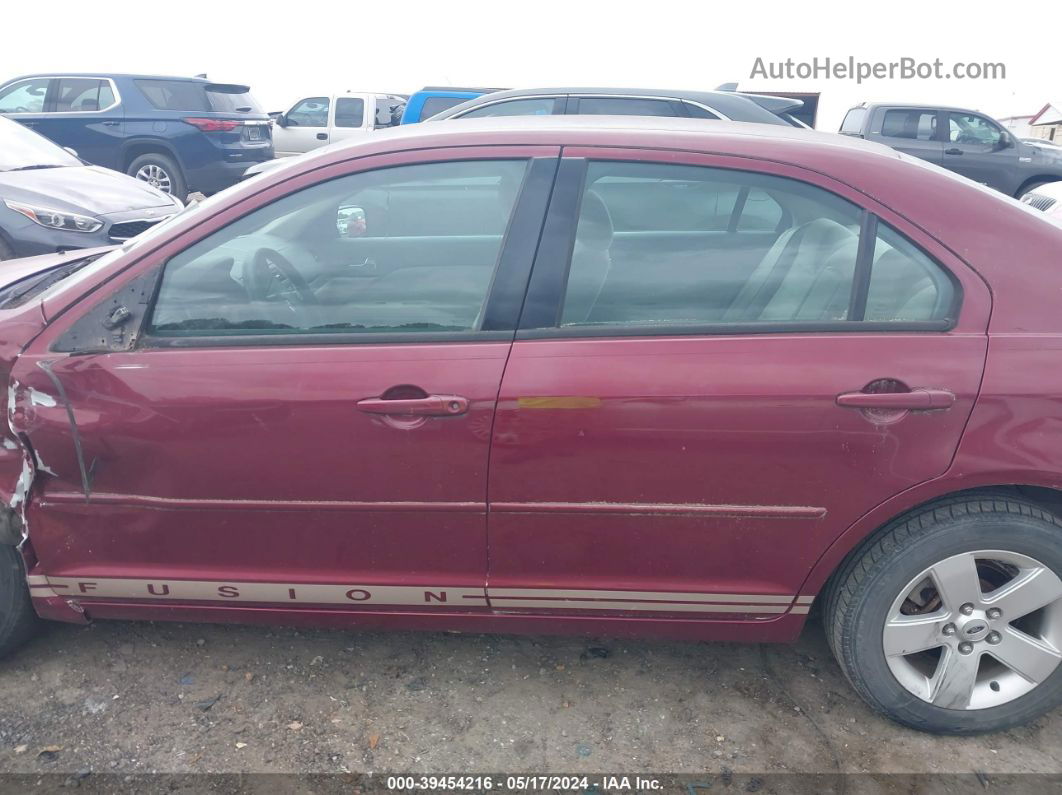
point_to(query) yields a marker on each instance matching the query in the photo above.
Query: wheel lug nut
(994, 637)
(966, 609)
(965, 648)
(994, 613)
(949, 629)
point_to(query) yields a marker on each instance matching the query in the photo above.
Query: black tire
(860, 599)
(6, 252)
(17, 619)
(160, 164)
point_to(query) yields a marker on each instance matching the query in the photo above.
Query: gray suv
(963, 141)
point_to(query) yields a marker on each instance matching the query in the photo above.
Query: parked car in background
(725, 105)
(431, 100)
(960, 140)
(1046, 198)
(51, 201)
(179, 134)
(686, 381)
(313, 122)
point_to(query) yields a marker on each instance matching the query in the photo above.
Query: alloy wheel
(976, 630)
(155, 176)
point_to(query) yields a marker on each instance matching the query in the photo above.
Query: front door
(304, 127)
(83, 114)
(305, 419)
(691, 413)
(976, 148)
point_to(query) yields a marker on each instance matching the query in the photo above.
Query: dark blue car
(180, 134)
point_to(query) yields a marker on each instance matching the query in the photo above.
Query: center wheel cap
(975, 629)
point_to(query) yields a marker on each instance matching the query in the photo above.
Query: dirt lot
(127, 699)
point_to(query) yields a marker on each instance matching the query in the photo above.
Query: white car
(316, 121)
(1047, 198)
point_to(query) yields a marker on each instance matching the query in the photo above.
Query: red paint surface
(255, 463)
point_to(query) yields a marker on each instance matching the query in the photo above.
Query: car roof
(118, 75)
(727, 102)
(917, 106)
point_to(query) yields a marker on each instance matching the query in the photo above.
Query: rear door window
(350, 112)
(914, 125)
(82, 95)
(661, 244)
(534, 106)
(25, 96)
(625, 106)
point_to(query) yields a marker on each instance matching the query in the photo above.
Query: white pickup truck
(320, 120)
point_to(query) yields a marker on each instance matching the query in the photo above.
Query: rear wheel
(159, 171)
(951, 619)
(17, 619)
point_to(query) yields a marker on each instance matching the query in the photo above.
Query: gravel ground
(128, 699)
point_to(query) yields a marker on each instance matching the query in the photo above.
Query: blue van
(179, 134)
(435, 99)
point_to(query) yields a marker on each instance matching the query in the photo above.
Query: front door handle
(953, 151)
(430, 406)
(915, 400)
(322, 136)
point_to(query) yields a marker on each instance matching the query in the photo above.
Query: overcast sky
(289, 49)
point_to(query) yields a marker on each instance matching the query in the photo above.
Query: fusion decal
(507, 599)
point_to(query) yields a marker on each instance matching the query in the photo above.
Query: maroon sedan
(630, 377)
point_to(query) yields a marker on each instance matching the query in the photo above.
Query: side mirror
(281, 120)
(1005, 142)
(350, 221)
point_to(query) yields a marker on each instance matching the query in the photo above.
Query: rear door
(294, 424)
(684, 428)
(84, 114)
(349, 118)
(914, 131)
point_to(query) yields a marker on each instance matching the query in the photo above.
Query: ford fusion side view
(665, 378)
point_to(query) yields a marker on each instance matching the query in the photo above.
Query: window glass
(389, 111)
(538, 106)
(853, 120)
(905, 284)
(175, 94)
(26, 96)
(699, 112)
(226, 98)
(660, 244)
(965, 128)
(400, 250)
(82, 95)
(350, 112)
(310, 112)
(916, 125)
(623, 106)
(433, 105)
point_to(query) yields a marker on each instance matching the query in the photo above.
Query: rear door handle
(915, 400)
(322, 136)
(430, 406)
(953, 151)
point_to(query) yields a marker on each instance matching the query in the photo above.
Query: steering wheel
(268, 268)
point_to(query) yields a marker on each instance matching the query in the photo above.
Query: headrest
(595, 223)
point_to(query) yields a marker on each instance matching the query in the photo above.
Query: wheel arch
(136, 147)
(1043, 491)
(1027, 184)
